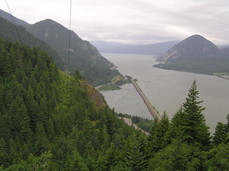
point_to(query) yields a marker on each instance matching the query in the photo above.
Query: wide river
(165, 89)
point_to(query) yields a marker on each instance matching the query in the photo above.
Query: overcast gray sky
(132, 21)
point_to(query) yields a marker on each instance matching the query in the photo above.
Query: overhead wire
(16, 28)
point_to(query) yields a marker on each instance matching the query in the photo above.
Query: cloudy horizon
(132, 21)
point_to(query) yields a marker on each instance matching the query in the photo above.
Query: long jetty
(149, 106)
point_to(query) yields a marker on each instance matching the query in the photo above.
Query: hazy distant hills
(83, 56)
(225, 51)
(196, 54)
(8, 17)
(149, 49)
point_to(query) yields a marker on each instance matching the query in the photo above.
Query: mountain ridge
(147, 49)
(8, 17)
(9, 32)
(82, 56)
(190, 47)
(195, 54)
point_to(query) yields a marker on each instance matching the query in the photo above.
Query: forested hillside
(82, 55)
(11, 32)
(49, 121)
(53, 38)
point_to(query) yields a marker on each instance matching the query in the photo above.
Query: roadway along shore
(149, 106)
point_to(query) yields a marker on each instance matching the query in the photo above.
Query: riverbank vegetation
(143, 123)
(115, 84)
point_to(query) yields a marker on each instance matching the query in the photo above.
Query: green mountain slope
(83, 56)
(195, 54)
(50, 119)
(9, 31)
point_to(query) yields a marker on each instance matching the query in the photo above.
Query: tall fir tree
(157, 139)
(134, 154)
(190, 122)
(194, 122)
(19, 119)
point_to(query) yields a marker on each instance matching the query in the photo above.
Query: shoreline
(213, 74)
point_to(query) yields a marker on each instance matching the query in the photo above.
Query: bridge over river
(149, 106)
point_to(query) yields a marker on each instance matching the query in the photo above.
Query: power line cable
(16, 28)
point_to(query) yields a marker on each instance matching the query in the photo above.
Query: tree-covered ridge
(82, 56)
(53, 38)
(15, 33)
(47, 116)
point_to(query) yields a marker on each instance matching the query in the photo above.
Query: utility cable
(16, 28)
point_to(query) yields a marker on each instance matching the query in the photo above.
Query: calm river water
(165, 89)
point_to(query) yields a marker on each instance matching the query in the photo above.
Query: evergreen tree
(5, 64)
(42, 162)
(42, 143)
(220, 135)
(218, 158)
(191, 122)
(135, 155)
(156, 139)
(75, 162)
(50, 130)
(178, 156)
(3, 151)
(19, 119)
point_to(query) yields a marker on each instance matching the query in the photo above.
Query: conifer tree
(3, 151)
(42, 143)
(190, 122)
(19, 120)
(194, 125)
(221, 134)
(218, 157)
(134, 155)
(156, 139)
(75, 162)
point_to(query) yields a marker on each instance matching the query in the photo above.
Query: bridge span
(149, 106)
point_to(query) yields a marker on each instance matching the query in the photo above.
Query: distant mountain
(195, 54)
(149, 49)
(10, 32)
(8, 17)
(192, 47)
(225, 51)
(83, 57)
(222, 46)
